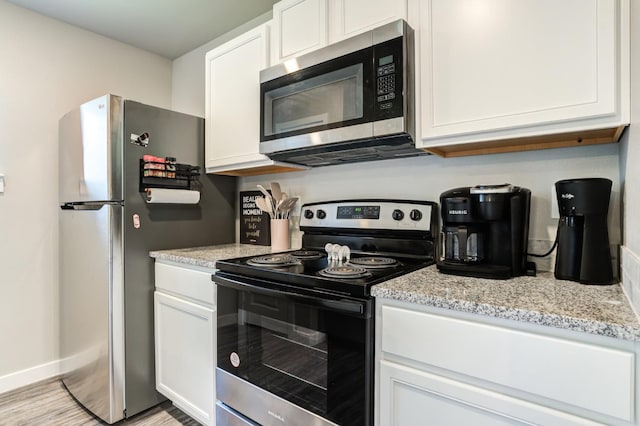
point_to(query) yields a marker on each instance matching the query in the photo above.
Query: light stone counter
(207, 256)
(543, 300)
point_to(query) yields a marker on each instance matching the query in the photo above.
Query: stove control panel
(371, 214)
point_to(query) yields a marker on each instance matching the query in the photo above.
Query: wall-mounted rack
(166, 173)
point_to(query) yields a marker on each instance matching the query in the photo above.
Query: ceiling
(169, 28)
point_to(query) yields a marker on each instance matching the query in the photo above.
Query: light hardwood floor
(49, 404)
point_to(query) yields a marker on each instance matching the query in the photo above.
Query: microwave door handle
(344, 306)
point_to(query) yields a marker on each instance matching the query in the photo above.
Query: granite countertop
(206, 256)
(543, 300)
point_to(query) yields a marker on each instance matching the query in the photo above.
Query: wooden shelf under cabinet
(261, 170)
(562, 140)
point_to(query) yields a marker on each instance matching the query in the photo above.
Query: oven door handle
(342, 305)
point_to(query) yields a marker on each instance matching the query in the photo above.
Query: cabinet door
(351, 17)
(407, 394)
(299, 26)
(185, 355)
(490, 68)
(233, 99)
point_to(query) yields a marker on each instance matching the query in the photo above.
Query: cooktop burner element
(374, 262)
(306, 254)
(344, 271)
(274, 261)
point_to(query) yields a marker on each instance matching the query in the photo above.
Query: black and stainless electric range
(296, 329)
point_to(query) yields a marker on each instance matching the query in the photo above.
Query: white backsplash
(541, 247)
(630, 269)
(294, 232)
(425, 178)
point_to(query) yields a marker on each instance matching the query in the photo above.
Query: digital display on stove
(358, 212)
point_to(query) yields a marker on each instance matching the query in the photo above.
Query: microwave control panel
(388, 72)
(386, 79)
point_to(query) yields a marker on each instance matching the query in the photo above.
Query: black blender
(584, 254)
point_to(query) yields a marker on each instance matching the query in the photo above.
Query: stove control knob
(308, 214)
(415, 215)
(321, 214)
(397, 214)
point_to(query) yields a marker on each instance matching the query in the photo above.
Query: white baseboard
(630, 272)
(30, 375)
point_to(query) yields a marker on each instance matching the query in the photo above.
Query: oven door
(286, 357)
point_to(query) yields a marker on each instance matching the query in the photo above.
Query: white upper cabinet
(348, 18)
(232, 133)
(299, 26)
(491, 75)
(499, 69)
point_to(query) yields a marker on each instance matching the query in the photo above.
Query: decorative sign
(254, 223)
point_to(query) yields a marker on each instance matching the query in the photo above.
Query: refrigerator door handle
(88, 205)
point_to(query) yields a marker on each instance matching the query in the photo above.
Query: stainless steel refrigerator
(107, 228)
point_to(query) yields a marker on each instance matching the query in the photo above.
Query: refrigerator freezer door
(91, 293)
(90, 151)
(148, 227)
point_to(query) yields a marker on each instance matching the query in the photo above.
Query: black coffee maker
(583, 253)
(485, 230)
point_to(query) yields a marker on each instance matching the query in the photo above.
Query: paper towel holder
(171, 196)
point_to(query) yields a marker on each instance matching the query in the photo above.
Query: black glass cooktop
(312, 270)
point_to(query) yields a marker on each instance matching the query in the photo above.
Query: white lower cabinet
(440, 367)
(409, 395)
(185, 343)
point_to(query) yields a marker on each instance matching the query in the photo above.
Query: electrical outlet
(1, 184)
(555, 213)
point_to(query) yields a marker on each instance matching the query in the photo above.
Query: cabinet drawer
(408, 394)
(588, 376)
(196, 285)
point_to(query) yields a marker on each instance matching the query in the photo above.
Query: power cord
(553, 247)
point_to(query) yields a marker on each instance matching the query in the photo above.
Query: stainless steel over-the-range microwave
(350, 101)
